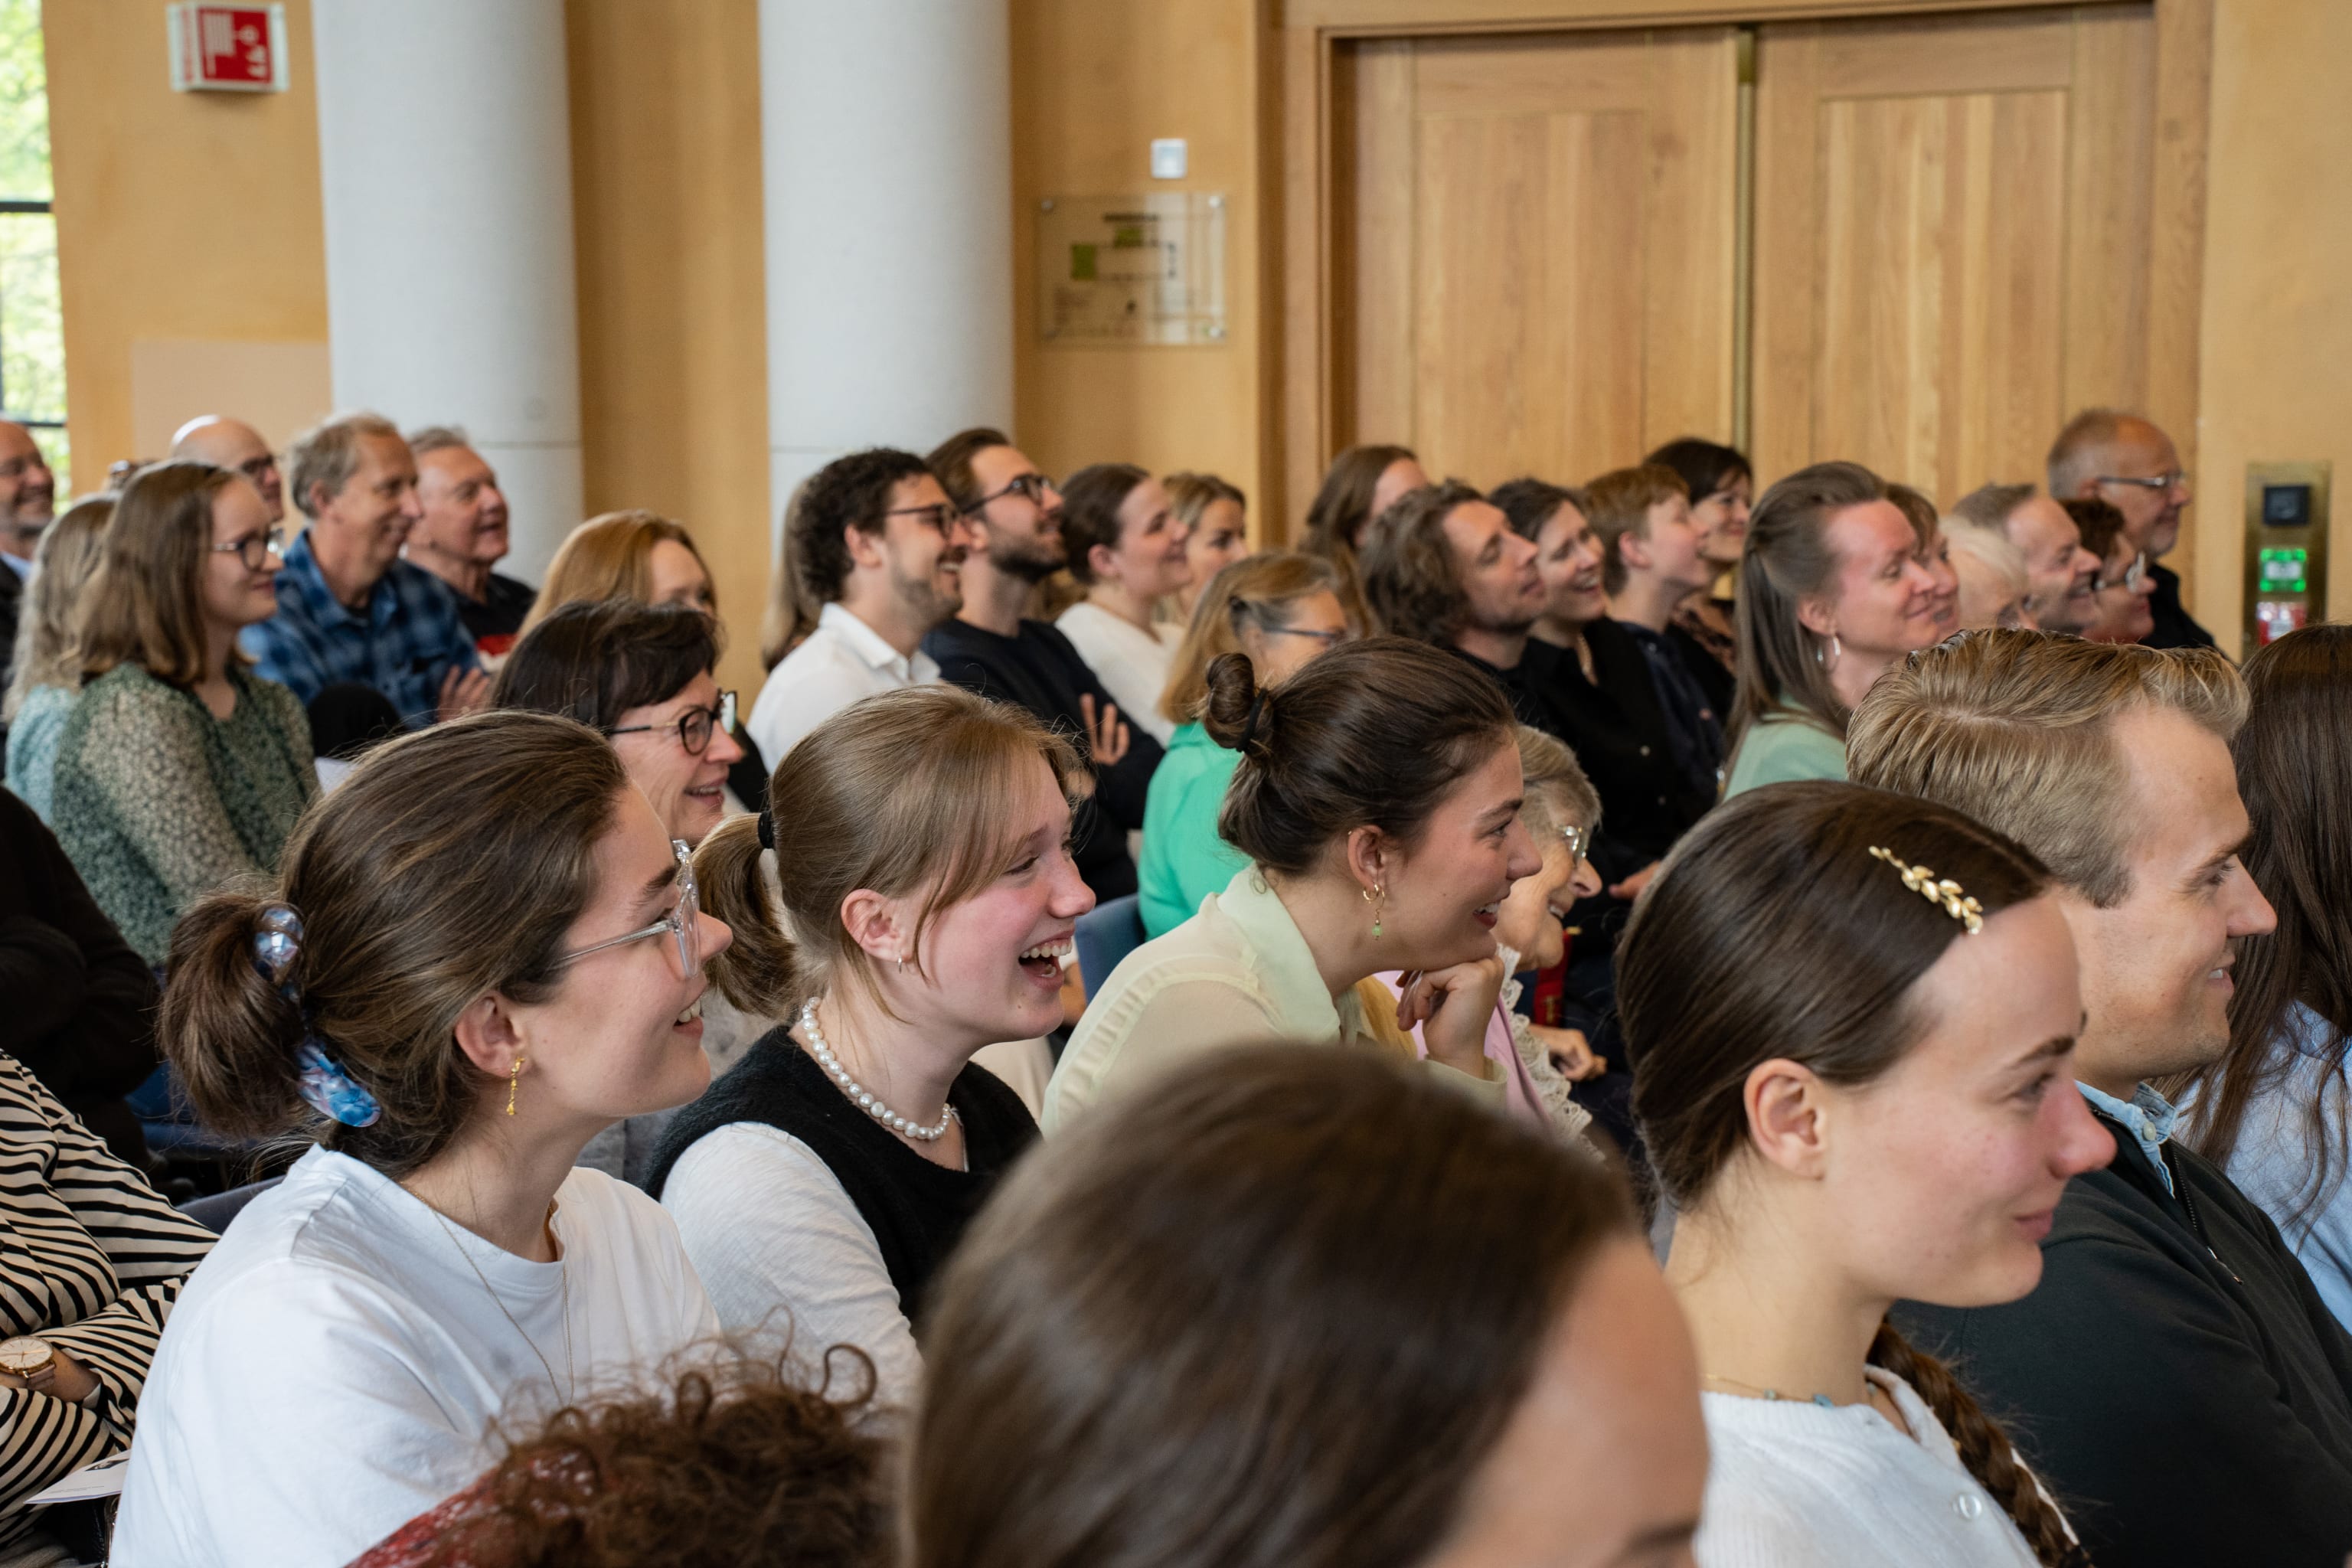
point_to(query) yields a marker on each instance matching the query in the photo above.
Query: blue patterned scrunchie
(323, 1084)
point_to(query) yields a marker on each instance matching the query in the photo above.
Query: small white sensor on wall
(1167, 158)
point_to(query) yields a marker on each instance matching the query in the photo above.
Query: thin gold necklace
(562, 1272)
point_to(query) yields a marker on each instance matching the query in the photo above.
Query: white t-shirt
(1794, 1485)
(335, 1366)
(840, 662)
(1131, 663)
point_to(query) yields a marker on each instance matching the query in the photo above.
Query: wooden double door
(1540, 244)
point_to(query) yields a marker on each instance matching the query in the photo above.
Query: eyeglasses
(254, 468)
(1030, 487)
(2157, 482)
(694, 727)
(1329, 639)
(255, 549)
(2131, 577)
(937, 517)
(1579, 843)
(684, 923)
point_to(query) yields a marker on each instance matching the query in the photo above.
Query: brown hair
(737, 1461)
(144, 604)
(609, 557)
(1918, 511)
(63, 563)
(1411, 578)
(853, 491)
(1787, 561)
(2097, 521)
(596, 659)
(1558, 792)
(903, 790)
(1342, 508)
(1257, 590)
(1190, 495)
(2017, 728)
(1090, 501)
(2295, 769)
(1530, 503)
(1706, 466)
(1772, 931)
(1195, 1329)
(952, 461)
(1618, 502)
(449, 864)
(327, 455)
(1372, 734)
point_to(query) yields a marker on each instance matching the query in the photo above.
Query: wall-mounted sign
(228, 48)
(1132, 270)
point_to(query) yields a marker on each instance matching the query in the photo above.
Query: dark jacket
(2175, 1379)
(2173, 627)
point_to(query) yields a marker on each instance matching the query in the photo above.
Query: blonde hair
(1190, 495)
(1989, 548)
(1618, 502)
(609, 557)
(1558, 794)
(2017, 728)
(1257, 589)
(904, 791)
(68, 555)
(144, 603)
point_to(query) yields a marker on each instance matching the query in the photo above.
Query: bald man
(28, 500)
(2131, 464)
(234, 444)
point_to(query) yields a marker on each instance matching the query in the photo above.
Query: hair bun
(1240, 713)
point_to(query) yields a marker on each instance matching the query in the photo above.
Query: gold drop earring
(513, 1078)
(1376, 898)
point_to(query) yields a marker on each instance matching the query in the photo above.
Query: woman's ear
(1370, 857)
(490, 1035)
(872, 923)
(1104, 564)
(1787, 1116)
(1817, 617)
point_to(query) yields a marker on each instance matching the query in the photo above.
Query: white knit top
(1796, 1485)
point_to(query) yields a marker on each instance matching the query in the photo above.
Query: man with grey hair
(2061, 576)
(349, 611)
(2129, 463)
(229, 443)
(28, 501)
(461, 534)
(2175, 1378)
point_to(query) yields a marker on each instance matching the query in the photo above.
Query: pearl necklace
(859, 1095)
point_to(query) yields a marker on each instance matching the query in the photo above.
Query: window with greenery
(32, 327)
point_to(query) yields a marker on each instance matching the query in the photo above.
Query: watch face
(22, 1356)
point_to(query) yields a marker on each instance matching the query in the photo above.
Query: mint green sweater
(1183, 859)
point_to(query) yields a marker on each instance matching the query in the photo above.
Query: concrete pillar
(886, 132)
(445, 154)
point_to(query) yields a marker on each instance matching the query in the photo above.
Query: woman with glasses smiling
(483, 949)
(178, 769)
(2122, 590)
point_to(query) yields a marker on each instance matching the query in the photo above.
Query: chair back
(1107, 933)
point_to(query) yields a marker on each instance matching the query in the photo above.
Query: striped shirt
(90, 1261)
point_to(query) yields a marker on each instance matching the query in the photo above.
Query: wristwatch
(31, 1359)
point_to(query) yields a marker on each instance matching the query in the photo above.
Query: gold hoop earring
(1375, 896)
(513, 1078)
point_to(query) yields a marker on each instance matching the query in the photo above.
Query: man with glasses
(28, 501)
(229, 443)
(874, 550)
(461, 535)
(1013, 520)
(2061, 576)
(2131, 464)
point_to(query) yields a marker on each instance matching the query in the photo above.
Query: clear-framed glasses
(683, 923)
(938, 517)
(1030, 487)
(255, 549)
(2160, 483)
(1580, 844)
(694, 727)
(1329, 639)
(2130, 578)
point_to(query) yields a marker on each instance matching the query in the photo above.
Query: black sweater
(1041, 671)
(2176, 1379)
(917, 1210)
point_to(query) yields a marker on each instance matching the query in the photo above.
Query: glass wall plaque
(1132, 270)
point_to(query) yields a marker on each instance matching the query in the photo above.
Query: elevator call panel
(2286, 549)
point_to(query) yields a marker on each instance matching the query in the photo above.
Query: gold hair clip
(1921, 880)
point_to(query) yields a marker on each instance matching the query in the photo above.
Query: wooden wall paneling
(1690, 220)
(1309, 327)
(1788, 279)
(2109, 181)
(2177, 305)
(1373, 167)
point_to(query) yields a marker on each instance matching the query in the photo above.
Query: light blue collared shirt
(2149, 1116)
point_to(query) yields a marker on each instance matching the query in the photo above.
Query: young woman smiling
(1128, 552)
(927, 883)
(1852, 1015)
(482, 949)
(1378, 799)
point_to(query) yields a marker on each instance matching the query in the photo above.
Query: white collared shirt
(840, 662)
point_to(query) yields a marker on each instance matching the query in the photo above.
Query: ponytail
(228, 1031)
(757, 972)
(1984, 1448)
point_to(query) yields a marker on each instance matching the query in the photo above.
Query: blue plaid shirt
(403, 647)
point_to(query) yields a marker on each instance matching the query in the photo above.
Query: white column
(885, 133)
(444, 154)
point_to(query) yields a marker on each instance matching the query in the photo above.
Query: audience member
(1299, 1311)
(485, 903)
(177, 769)
(2273, 1109)
(1650, 563)
(2126, 461)
(1853, 1095)
(461, 536)
(28, 495)
(2122, 589)
(633, 554)
(1935, 554)
(1014, 514)
(1722, 492)
(1991, 574)
(227, 443)
(1213, 514)
(1378, 799)
(1362, 483)
(94, 1260)
(45, 675)
(347, 721)
(1832, 596)
(1128, 552)
(874, 542)
(931, 897)
(1279, 610)
(2175, 1378)
(348, 609)
(752, 1461)
(2059, 573)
